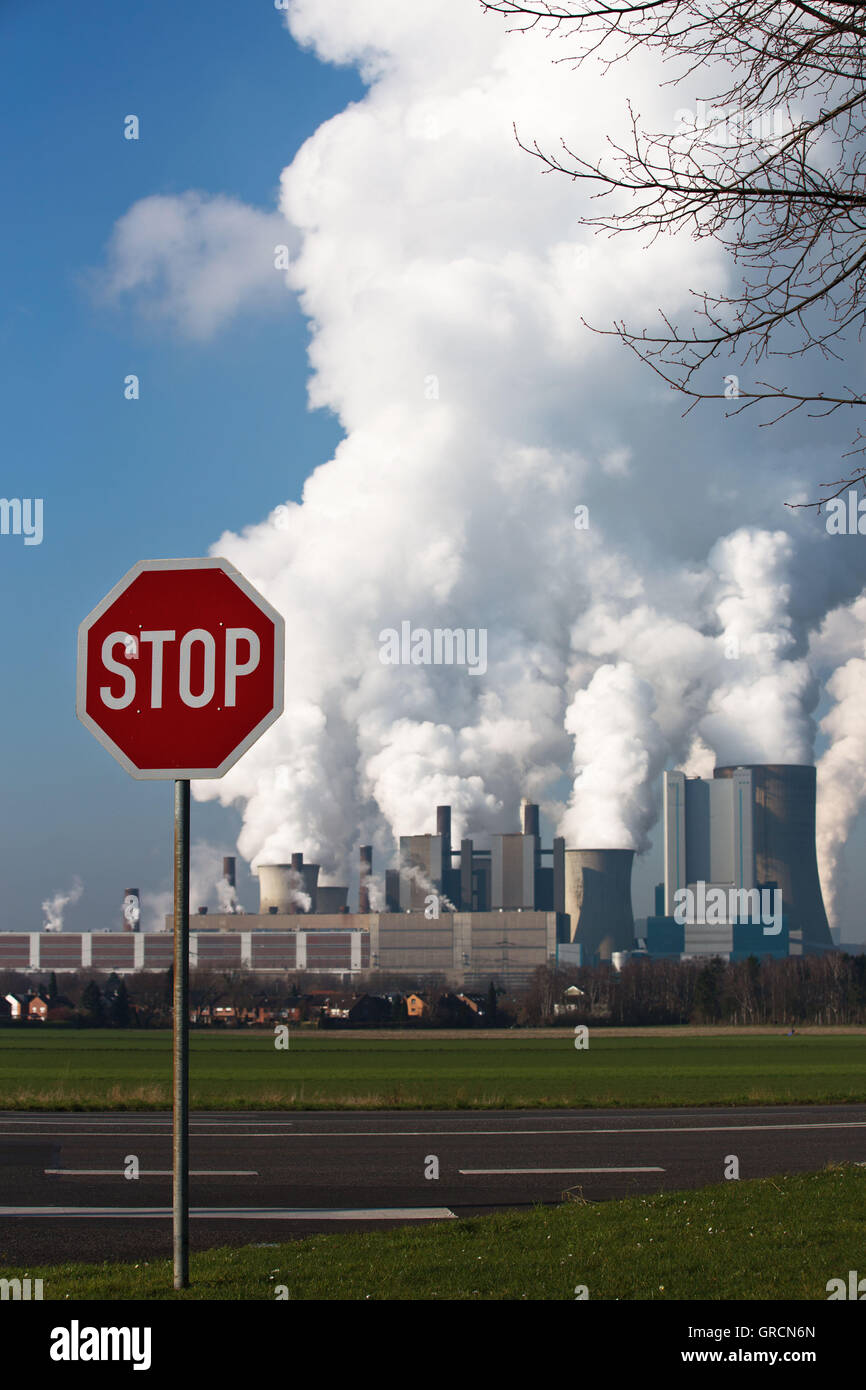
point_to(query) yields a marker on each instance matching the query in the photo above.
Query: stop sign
(180, 668)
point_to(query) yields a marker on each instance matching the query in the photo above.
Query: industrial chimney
(443, 828)
(783, 830)
(365, 868)
(598, 900)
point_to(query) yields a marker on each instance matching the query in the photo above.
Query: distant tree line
(828, 989)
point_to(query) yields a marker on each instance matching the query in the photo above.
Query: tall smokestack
(310, 886)
(598, 900)
(392, 890)
(466, 875)
(529, 817)
(783, 832)
(443, 828)
(365, 869)
(229, 870)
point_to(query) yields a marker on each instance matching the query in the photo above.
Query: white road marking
(242, 1213)
(435, 1133)
(148, 1173)
(487, 1172)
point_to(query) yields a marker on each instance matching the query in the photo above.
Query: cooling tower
(784, 841)
(330, 899)
(279, 885)
(598, 901)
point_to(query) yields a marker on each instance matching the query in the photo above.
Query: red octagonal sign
(180, 668)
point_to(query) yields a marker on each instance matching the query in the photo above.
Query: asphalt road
(263, 1177)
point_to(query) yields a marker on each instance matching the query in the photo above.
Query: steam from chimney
(226, 890)
(209, 884)
(375, 891)
(54, 908)
(415, 874)
(841, 644)
(298, 898)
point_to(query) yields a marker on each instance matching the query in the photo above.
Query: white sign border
(182, 773)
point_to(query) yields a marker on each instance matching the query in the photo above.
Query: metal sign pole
(180, 1126)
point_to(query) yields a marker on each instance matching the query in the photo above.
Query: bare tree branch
(776, 175)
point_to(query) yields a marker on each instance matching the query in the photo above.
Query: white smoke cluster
(53, 908)
(297, 897)
(413, 873)
(155, 907)
(375, 892)
(207, 888)
(227, 897)
(444, 281)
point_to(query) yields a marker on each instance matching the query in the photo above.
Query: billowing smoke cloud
(618, 751)
(841, 644)
(505, 469)
(53, 908)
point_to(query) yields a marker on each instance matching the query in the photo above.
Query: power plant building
(745, 837)
(473, 914)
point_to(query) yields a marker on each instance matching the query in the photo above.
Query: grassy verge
(772, 1238)
(105, 1070)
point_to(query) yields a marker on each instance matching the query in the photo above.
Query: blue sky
(221, 430)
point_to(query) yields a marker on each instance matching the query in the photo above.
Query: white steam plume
(54, 907)
(301, 900)
(375, 892)
(444, 282)
(841, 782)
(413, 873)
(227, 897)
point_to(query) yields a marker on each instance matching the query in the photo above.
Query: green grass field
(101, 1069)
(772, 1238)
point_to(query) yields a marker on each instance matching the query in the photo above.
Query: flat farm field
(101, 1069)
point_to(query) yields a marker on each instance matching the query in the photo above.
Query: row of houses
(336, 1007)
(39, 1007)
